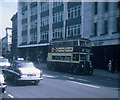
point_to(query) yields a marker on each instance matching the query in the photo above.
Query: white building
(41, 22)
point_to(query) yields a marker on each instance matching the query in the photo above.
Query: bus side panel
(59, 66)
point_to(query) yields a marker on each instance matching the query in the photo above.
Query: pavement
(107, 74)
(100, 73)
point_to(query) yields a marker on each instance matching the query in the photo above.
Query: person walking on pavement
(110, 66)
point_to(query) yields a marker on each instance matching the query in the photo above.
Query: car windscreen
(26, 65)
(3, 60)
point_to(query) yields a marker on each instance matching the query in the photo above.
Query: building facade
(0, 47)
(14, 49)
(6, 43)
(42, 22)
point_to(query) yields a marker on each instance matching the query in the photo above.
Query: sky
(7, 10)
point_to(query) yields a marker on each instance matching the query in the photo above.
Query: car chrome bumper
(2, 86)
(29, 79)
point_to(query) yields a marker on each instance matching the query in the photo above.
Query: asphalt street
(65, 85)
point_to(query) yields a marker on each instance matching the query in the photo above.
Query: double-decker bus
(72, 55)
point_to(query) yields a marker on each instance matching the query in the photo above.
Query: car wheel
(91, 72)
(75, 70)
(3, 90)
(36, 82)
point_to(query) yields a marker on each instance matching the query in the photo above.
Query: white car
(23, 71)
(4, 62)
(2, 82)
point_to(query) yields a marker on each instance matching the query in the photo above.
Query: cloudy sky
(7, 10)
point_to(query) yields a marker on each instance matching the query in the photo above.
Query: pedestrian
(109, 66)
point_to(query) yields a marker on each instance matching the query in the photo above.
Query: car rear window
(24, 64)
(3, 60)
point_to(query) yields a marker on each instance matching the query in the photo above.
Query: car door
(11, 70)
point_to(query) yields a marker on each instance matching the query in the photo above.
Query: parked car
(2, 82)
(21, 70)
(4, 62)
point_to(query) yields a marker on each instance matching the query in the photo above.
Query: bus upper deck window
(82, 43)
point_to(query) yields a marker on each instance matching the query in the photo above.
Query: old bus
(70, 55)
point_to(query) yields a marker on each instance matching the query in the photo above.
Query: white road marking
(93, 86)
(83, 80)
(68, 77)
(49, 76)
(10, 96)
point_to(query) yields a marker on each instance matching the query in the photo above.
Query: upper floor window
(33, 24)
(74, 12)
(33, 37)
(24, 14)
(24, 38)
(95, 29)
(44, 35)
(44, 6)
(45, 20)
(34, 11)
(73, 30)
(57, 3)
(106, 6)
(95, 8)
(118, 24)
(118, 5)
(57, 17)
(24, 26)
(24, 4)
(105, 26)
(58, 33)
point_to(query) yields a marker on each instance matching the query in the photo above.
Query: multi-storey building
(0, 47)
(6, 43)
(41, 22)
(14, 49)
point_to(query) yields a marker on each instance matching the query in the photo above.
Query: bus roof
(68, 42)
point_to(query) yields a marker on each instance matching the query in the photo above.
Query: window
(74, 12)
(24, 26)
(95, 9)
(75, 57)
(68, 58)
(44, 6)
(105, 26)
(118, 5)
(95, 29)
(57, 3)
(58, 33)
(106, 6)
(57, 17)
(118, 24)
(24, 14)
(33, 37)
(33, 24)
(62, 57)
(44, 35)
(24, 38)
(45, 21)
(33, 11)
(83, 57)
(73, 30)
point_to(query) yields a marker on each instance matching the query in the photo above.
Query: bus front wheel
(75, 70)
